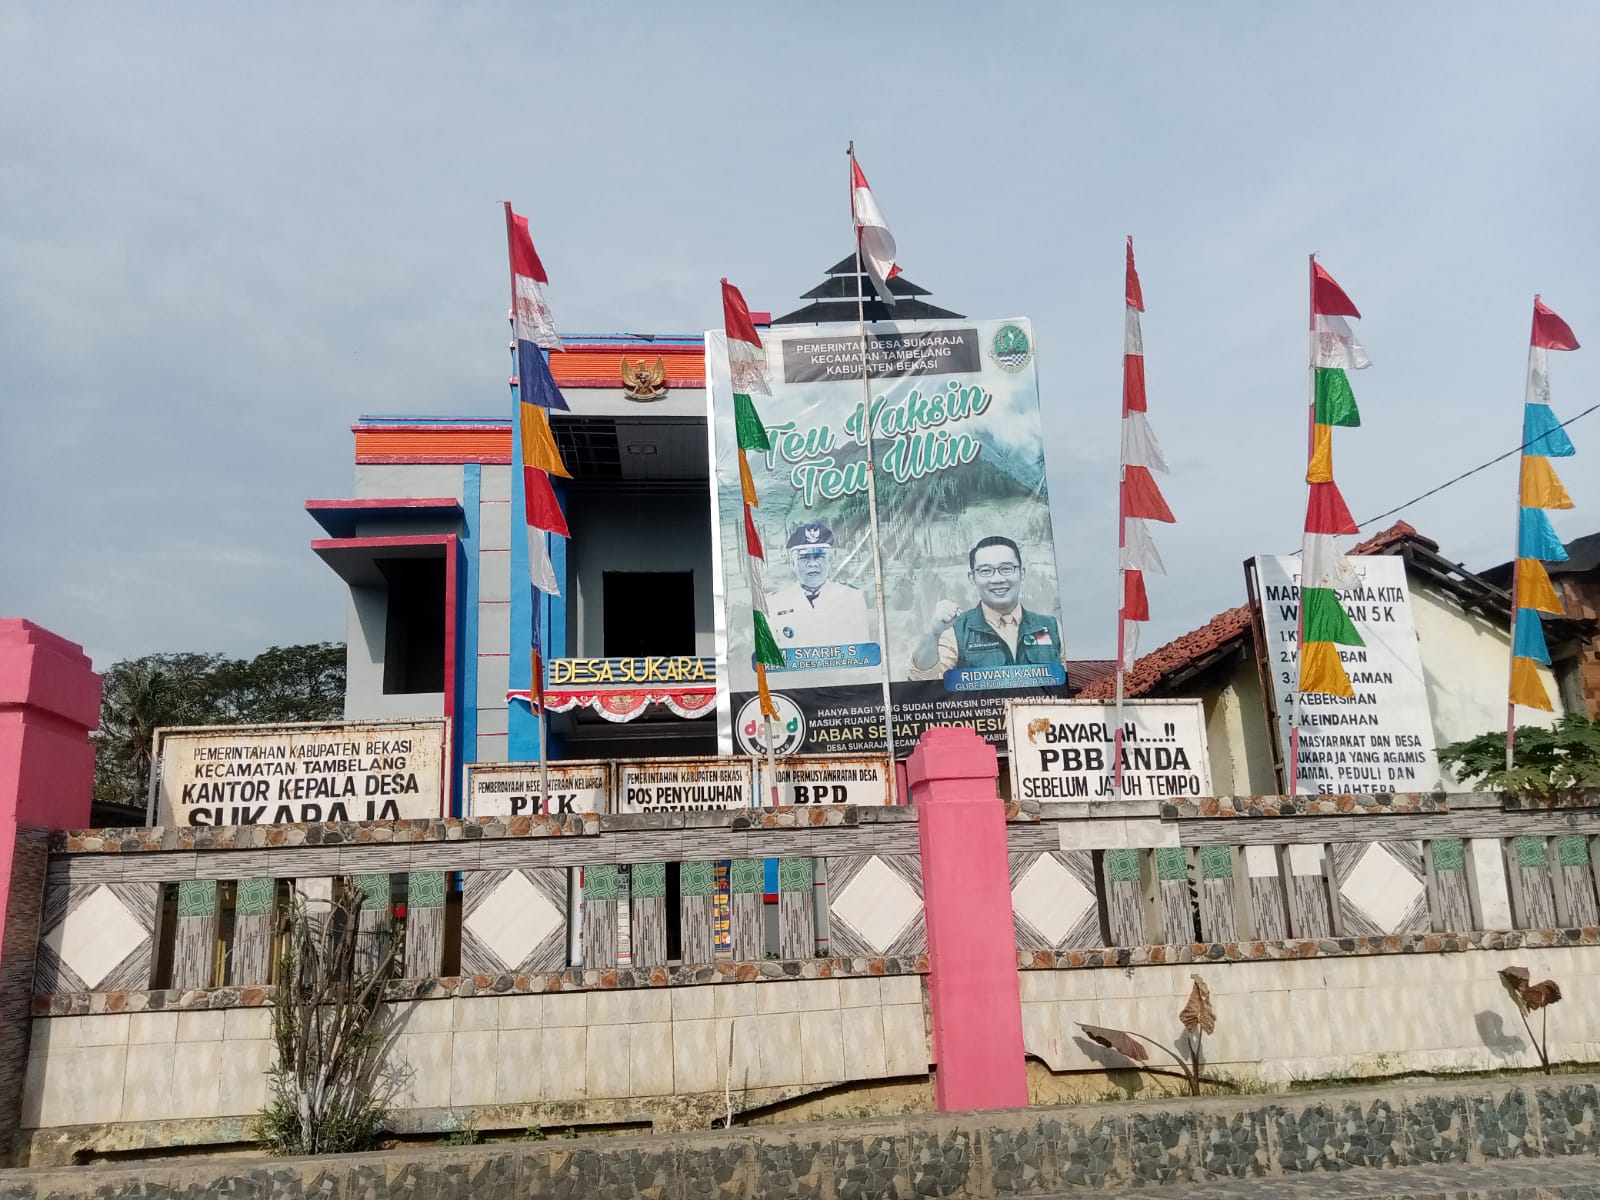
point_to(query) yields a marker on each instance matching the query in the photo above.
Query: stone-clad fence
(651, 972)
(689, 980)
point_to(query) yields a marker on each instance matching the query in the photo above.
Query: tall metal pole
(772, 761)
(537, 598)
(536, 683)
(1122, 588)
(872, 478)
(1300, 606)
(1516, 566)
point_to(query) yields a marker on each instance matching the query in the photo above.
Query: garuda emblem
(642, 382)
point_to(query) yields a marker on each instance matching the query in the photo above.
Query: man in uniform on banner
(998, 631)
(816, 610)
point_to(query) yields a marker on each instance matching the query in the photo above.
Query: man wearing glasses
(816, 610)
(998, 631)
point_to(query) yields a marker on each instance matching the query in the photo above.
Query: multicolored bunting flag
(1324, 624)
(1538, 488)
(872, 234)
(1140, 500)
(748, 360)
(535, 395)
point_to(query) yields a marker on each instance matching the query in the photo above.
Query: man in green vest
(998, 631)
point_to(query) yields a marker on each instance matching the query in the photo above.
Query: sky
(227, 231)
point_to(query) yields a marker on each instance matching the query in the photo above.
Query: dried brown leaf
(1537, 995)
(1198, 1014)
(1124, 1044)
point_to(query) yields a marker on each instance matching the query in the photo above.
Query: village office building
(431, 549)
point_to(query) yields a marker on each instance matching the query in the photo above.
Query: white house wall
(1466, 659)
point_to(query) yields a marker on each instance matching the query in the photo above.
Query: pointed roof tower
(834, 300)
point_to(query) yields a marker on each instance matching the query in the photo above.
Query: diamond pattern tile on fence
(875, 905)
(1382, 887)
(96, 937)
(514, 921)
(1052, 900)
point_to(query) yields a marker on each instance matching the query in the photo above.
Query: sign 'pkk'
(1324, 624)
(747, 360)
(1538, 488)
(537, 394)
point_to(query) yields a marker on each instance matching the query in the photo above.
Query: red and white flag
(877, 243)
(532, 317)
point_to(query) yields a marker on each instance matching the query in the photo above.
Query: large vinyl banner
(968, 555)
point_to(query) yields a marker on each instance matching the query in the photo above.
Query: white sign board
(1063, 750)
(512, 789)
(829, 779)
(284, 774)
(684, 785)
(1380, 739)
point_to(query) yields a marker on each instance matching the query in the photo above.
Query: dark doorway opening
(648, 613)
(674, 915)
(413, 649)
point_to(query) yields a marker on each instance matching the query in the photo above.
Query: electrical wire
(1465, 474)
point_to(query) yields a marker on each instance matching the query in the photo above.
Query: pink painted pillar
(972, 951)
(49, 702)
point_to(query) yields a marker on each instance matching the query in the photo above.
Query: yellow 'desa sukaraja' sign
(678, 668)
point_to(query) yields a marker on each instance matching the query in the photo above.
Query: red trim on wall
(452, 552)
(488, 460)
(396, 502)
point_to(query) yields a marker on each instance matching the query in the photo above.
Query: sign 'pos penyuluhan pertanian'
(291, 774)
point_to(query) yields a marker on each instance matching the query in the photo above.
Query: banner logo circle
(788, 727)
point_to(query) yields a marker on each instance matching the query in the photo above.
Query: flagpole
(1122, 570)
(536, 652)
(1516, 563)
(872, 480)
(772, 760)
(1300, 606)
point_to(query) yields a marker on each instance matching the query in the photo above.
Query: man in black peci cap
(816, 610)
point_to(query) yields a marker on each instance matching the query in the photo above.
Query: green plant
(533, 1134)
(1533, 997)
(1198, 1018)
(327, 1031)
(1545, 760)
(466, 1133)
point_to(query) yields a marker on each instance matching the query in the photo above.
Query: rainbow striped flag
(1538, 489)
(748, 361)
(1324, 624)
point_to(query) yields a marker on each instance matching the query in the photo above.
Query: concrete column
(49, 703)
(972, 953)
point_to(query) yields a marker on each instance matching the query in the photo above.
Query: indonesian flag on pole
(877, 243)
(1337, 346)
(747, 358)
(531, 315)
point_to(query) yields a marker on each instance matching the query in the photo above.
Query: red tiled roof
(1221, 631)
(1083, 671)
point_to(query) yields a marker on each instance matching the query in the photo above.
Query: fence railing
(507, 897)
(1271, 868)
(165, 908)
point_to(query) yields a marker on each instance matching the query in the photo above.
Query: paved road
(1546, 1179)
